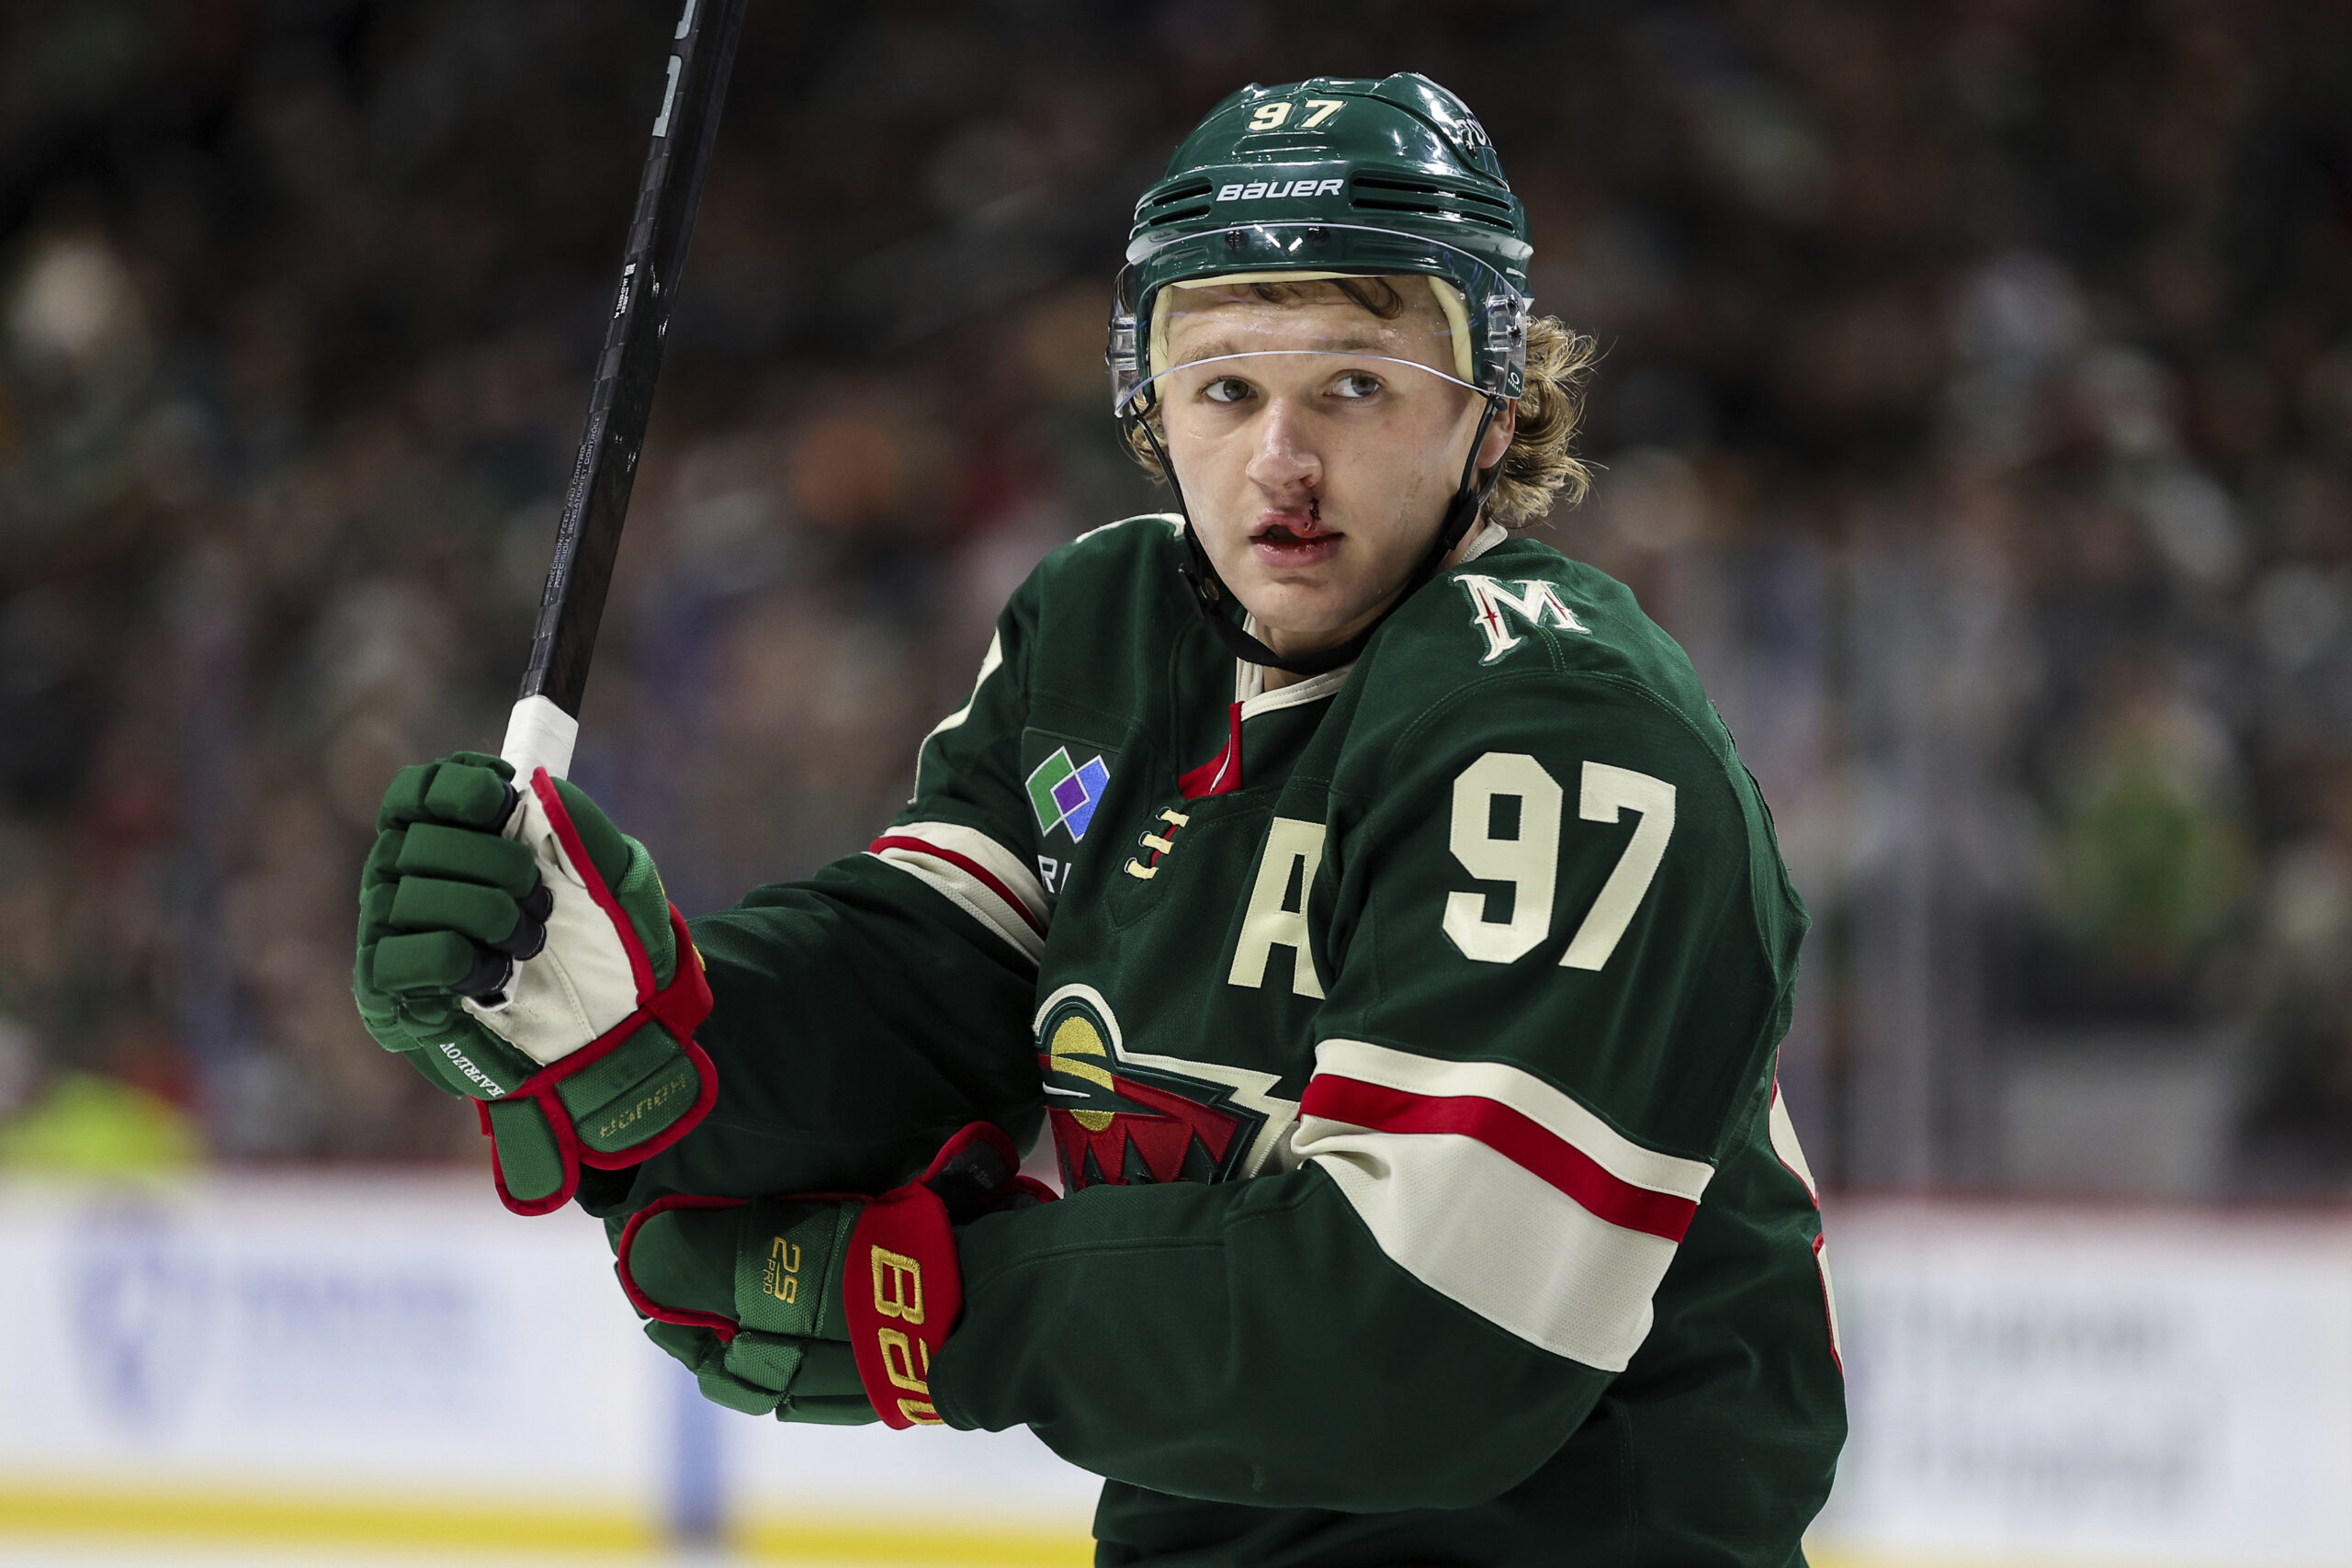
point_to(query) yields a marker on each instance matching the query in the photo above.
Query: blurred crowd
(1976, 407)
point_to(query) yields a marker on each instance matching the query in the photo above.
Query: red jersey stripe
(961, 863)
(1221, 775)
(1517, 1137)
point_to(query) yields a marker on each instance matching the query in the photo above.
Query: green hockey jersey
(1405, 1037)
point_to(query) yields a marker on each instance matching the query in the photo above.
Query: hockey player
(1369, 898)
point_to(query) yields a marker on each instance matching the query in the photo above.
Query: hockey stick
(546, 720)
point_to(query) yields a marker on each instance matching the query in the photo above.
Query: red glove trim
(679, 1007)
(640, 962)
(902, 1289)
(725, 1327)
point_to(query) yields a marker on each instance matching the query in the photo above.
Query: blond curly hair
(1539, 466)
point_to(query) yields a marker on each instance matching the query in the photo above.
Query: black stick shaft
(702, 55)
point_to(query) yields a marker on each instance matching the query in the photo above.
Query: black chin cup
(1209, 592)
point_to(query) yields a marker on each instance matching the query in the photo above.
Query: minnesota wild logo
(1123, 1118)
(1064, 794)
(1537, 604)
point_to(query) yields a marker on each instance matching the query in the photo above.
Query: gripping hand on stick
(820, 1307)
(517, 948)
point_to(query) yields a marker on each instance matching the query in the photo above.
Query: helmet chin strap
(1209, 592)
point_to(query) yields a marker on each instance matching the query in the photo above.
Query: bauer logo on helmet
(1257, 191)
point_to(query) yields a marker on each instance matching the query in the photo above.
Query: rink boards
(399, 1363)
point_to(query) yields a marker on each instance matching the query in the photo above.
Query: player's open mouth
(1294, 537)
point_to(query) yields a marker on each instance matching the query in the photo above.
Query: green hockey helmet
(1329, 177)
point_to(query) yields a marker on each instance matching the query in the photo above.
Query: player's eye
(1355, 383)
(1227, 389)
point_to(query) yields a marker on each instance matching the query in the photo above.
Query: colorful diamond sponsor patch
(1065, 794)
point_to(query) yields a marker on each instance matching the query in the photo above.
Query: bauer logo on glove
(825, 1307)
(517, 948)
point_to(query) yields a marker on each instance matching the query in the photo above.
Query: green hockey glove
(517, 948)
(820, 1306)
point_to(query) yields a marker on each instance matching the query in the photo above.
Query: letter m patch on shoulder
(1537, 603)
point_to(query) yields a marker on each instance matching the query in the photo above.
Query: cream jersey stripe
(978, 875)
(1482, 1229)
(1526, 1094)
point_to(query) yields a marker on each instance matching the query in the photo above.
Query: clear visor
(1212, 396)
(1431, 313)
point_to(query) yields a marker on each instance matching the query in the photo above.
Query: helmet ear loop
(1469, 500)
(1136, 414)
(1207, 587)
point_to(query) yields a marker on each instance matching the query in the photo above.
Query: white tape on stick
(539, 735)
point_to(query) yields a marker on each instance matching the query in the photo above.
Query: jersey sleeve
(1548, 1005)
(860, 1017)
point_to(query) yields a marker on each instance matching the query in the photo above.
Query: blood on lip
(1312, 528)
